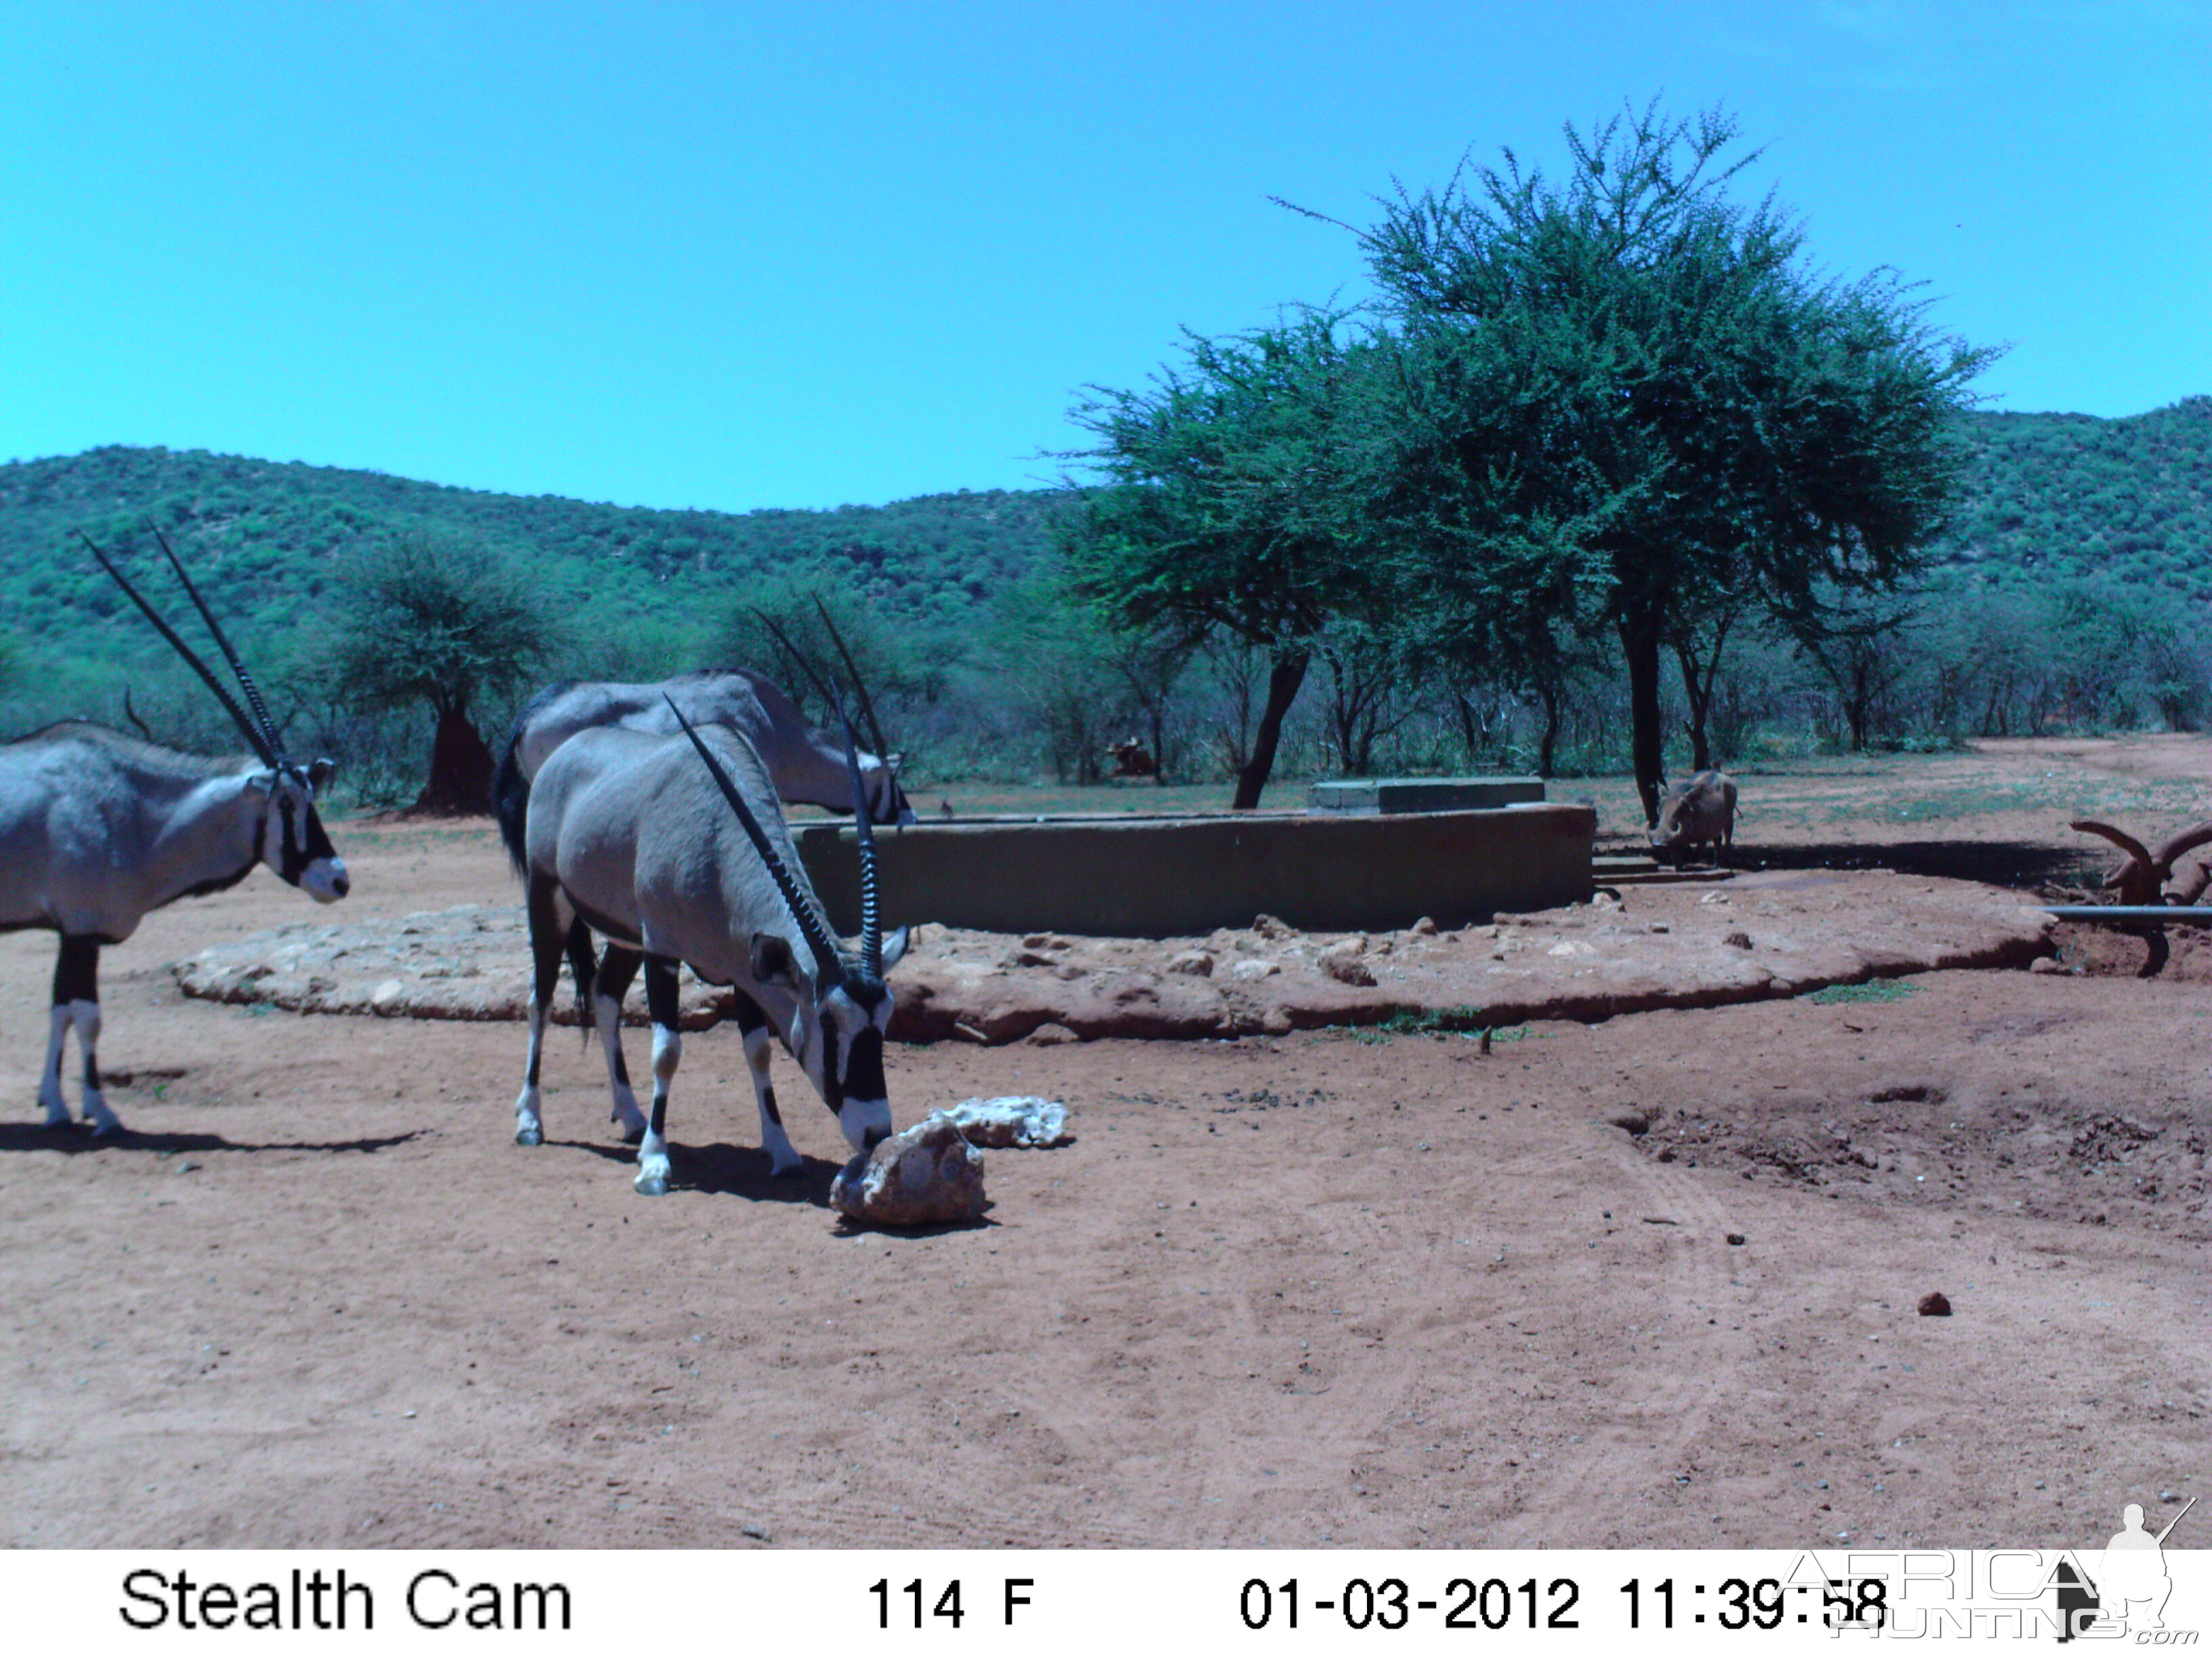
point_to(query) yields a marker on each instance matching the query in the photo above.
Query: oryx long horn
(817, 937)
(2187, 841)
(805, 663)
(859, 685)
(259, 739)
(871, 927)
(222, 644)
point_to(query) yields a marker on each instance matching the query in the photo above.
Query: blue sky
(735, 257)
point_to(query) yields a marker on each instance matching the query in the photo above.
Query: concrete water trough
(1168, 877)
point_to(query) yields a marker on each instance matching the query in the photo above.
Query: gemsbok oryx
(98, 827)
(678, 863)
(800, 764)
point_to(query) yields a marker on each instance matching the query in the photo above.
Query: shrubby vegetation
(2014, 631)
(1433, 539)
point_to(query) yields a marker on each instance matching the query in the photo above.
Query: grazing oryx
(97, 827)
(629, 834)
(802, 766)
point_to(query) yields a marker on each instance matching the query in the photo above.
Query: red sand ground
(1317, 1289)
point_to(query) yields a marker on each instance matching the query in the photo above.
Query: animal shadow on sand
(76, 1138)
(722, 1168)
(742, 1172)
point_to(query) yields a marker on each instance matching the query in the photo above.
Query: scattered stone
(1011, 1120)
(1197, 962)
(1735, 1238)
(1051, 1036)
(1347, 969)
(2048, 965)
(1426, 926)
(1273, 927)
(387, 998)
(1740, 940)
(1636, 1123)
(1253, 967)
(1936, 1305)
(926, 1176)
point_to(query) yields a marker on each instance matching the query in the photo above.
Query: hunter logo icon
(2131, 1584)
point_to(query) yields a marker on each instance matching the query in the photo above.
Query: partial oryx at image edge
(679, 863)
(98, 827)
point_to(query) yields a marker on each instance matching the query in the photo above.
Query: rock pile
(1770, 935)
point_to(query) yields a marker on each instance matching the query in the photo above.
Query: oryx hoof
(101, 1130)
(782, 1169)
(651, 1184)
(530, 1136)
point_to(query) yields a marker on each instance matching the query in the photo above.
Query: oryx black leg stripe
(749, 1020)
(663, 1004)
(618, 967)
(76, 970)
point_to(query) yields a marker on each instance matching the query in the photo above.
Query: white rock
(1011, 1120)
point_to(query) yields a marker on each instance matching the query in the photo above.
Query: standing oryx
(803, 768)
(96, 828)
(627, 833)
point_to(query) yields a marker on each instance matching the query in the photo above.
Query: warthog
(1696, 812)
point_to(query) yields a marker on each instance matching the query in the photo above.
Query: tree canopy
(444, 622)
(1624, 400)
(1235, 502)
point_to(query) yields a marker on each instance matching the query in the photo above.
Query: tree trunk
(1697, 680)
(1466, 726)
(1701, 749)
(1554, 696)
(1639, 641)
(460, 769)
(1283, 679)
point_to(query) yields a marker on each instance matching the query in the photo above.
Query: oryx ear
(895, 947)
(260, 785)
(772, 963)
(321, 772)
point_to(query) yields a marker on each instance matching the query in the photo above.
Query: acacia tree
(1633, 387)
(1232, 505)
(447, 623)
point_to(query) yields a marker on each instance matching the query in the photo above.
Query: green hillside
(261, 537)
(2048, 497)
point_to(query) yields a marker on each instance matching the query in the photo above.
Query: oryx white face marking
(293, 840)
